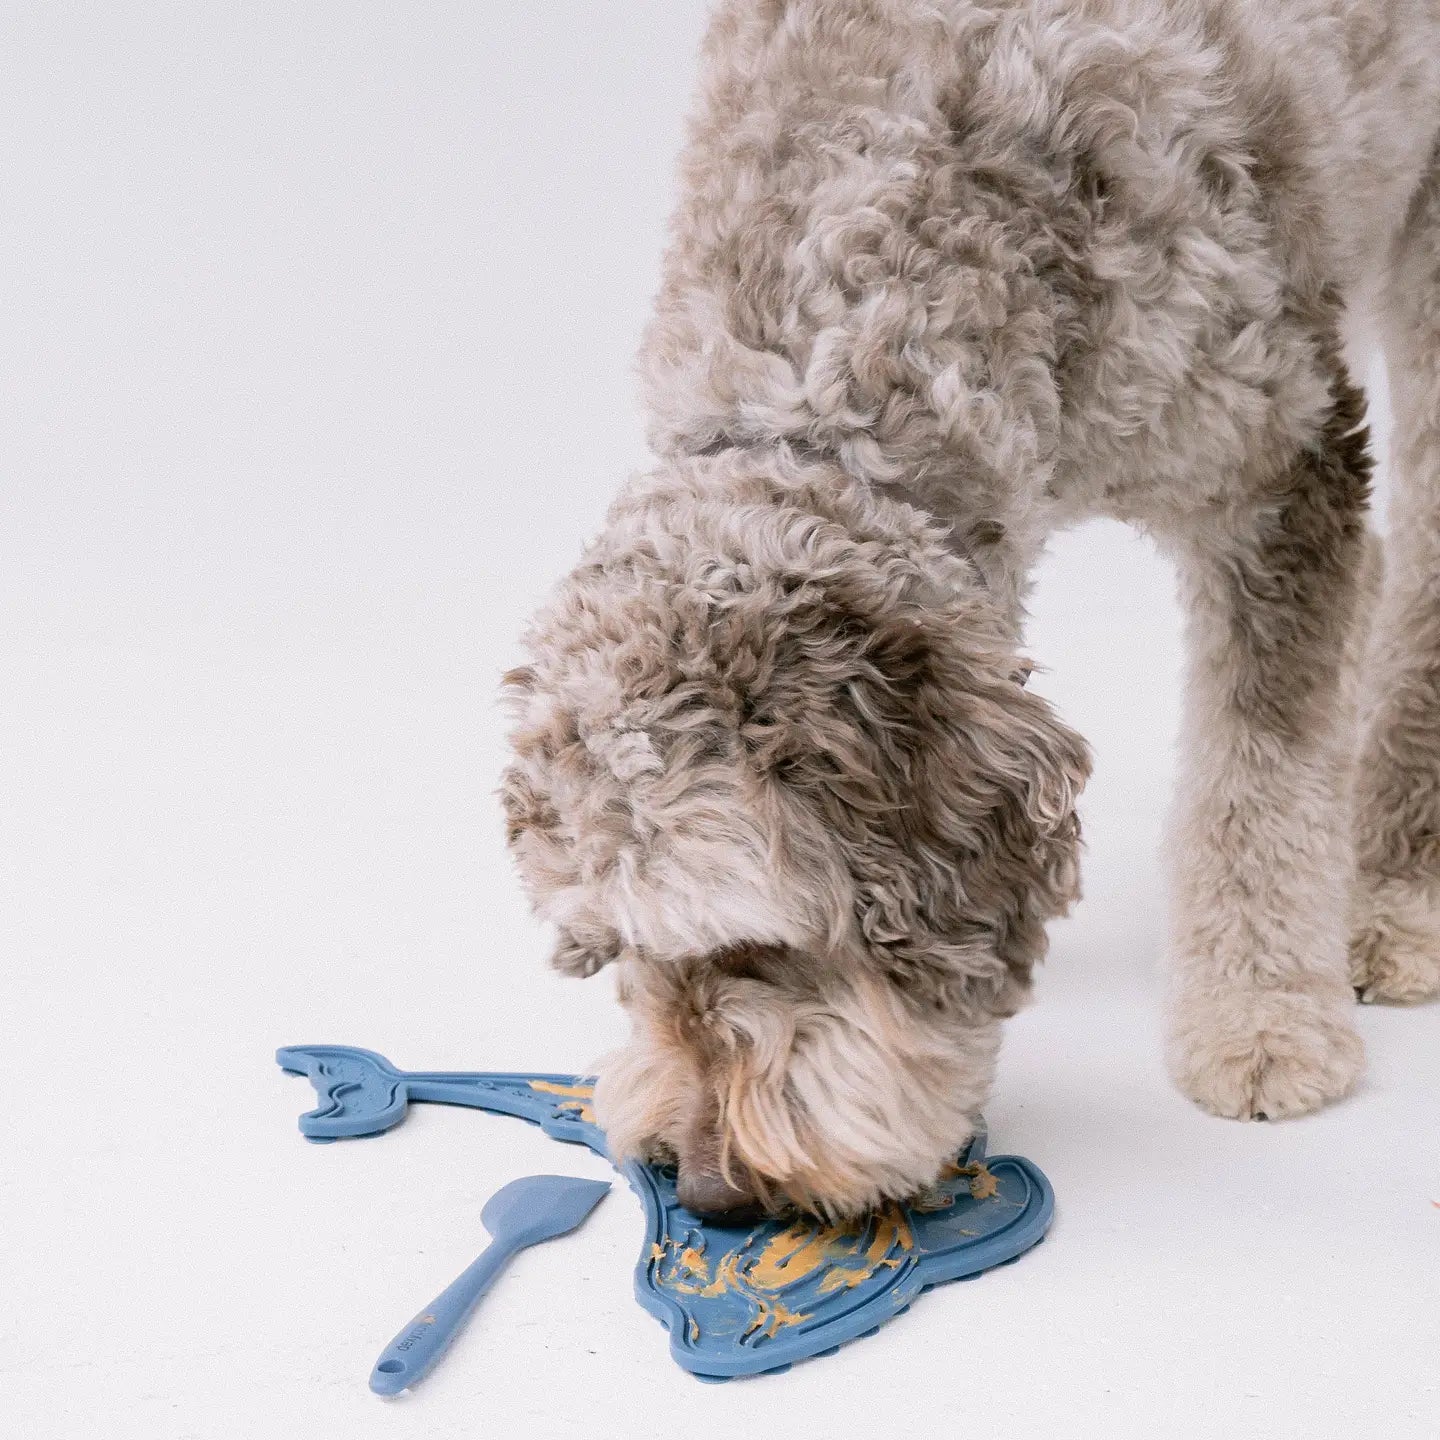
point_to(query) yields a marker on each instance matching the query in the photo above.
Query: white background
(317, 331)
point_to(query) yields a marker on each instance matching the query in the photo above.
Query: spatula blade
(540, 1207)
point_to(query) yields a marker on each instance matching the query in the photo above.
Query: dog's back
(1013, 260)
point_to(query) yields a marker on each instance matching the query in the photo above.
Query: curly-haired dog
(945, 276)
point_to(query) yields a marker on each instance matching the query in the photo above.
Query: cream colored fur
(1396, 950)
(947, 276)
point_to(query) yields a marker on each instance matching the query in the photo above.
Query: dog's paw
(1395, 950)
(1259, 1054)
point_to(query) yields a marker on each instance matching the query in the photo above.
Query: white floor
(316, 370)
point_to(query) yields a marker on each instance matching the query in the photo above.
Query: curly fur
(945, 276)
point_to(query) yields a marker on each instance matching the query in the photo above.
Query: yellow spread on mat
(851, 1255)
(577, 1105)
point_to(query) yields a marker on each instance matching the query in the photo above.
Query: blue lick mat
(737, 1301)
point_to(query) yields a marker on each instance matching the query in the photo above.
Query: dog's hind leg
(1396, 947)
(1262, 1009)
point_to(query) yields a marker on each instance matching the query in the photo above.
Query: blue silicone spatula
(524, 1212)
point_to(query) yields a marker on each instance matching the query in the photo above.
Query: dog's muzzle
(713, 1198)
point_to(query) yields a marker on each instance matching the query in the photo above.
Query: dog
(947, 275)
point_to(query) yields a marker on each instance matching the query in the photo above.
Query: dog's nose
(712, 1197)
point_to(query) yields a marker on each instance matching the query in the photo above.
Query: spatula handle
(411, 1355)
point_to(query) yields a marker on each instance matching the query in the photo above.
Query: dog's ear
(1059, 765)
(582, 953)
(950, 790)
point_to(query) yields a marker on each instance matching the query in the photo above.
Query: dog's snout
(709, 1188)
(712, 1197)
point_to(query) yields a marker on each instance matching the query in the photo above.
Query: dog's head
(774, 760)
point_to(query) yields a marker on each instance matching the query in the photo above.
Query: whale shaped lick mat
(737, 1300)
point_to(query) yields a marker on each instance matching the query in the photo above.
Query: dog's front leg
(1261, 1021)
(1396, 954)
